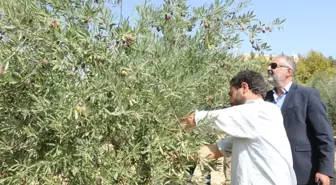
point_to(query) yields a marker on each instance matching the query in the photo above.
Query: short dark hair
(255, 81)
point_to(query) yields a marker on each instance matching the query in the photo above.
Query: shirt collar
(285, 89)
(254, 101)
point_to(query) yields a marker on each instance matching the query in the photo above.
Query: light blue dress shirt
(278, 100)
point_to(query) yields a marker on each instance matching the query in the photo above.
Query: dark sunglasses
(275, 65)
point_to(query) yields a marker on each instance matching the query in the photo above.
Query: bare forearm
(210, 152)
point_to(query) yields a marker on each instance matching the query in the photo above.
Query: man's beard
(273, 79)
(238, 101)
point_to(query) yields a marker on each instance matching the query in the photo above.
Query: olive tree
(86, 99)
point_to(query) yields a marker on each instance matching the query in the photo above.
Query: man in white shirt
(261, 153)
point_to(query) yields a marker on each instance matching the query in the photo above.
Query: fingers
(187, 122)
(322, 179)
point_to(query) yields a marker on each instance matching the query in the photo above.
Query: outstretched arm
(235, 121)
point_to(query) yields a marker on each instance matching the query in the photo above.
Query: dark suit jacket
(309, 132)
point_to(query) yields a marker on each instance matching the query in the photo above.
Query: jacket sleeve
(316, 114)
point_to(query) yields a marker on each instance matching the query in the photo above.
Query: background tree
(313, 64)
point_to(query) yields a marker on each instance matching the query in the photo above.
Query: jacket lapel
(289, 97)
(269, 96)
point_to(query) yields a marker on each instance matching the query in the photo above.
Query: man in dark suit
(308, 129)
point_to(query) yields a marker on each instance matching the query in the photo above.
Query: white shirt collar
(254, 101)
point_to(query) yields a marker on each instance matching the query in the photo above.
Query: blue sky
(309, 24)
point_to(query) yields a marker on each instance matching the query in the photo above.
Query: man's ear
(245, 87)
(290, 72)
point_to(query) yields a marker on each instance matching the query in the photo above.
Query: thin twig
(17, 49)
